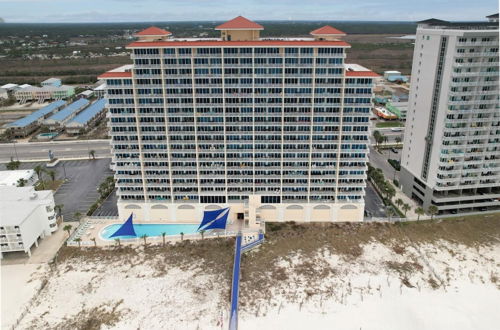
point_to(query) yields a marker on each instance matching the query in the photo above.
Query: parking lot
(79, 191)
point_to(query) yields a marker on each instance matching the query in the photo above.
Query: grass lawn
(390, 124)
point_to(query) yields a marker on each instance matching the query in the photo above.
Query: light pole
(64, 169)
(15, 150)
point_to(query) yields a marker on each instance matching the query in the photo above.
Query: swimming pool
(154, 229)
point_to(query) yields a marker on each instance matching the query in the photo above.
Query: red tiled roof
(361, 74)
(239, 23)
(327, 30)
(153, 31)
(282, 43)
(111, 74)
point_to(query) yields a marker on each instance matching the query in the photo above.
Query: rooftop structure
(327, 33)
(11, 178)
(38, 115)
(26, 216)
(240, 28)
(451, 154)
(67, 113)
(492, 18)
(274, 129)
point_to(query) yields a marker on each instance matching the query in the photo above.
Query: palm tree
(398, 139)
(68, 229)
(432, 210)
(13, 164)
(92, 154)
(79, 241)
(406, 208)
(52, 175)
(21, 182)
(399, 202)
(93, 240)
(58, 209)
(78, 216)
(163, 237)
(390, 212)
(376, 136)
(144, 238)
(182, 236)
(202, 232)
(420, 211)
(117, 240)
(39, 171)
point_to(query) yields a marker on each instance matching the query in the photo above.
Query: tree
(39, 171)
(385, 138)
(144, 238)
(376, 136)
(78, 216)
(59, 208)
(13, 164)
(92, 154)
(390, 212)
(202, 232)
(406, 208)
(79, 241)
(399, 202)
(182, 236)
(21, 182)
(419, 211)
(68, 229)
(52, 175)
(163, 237)
(398, 139)
(432, 210)
(93, 240)
(117, 240)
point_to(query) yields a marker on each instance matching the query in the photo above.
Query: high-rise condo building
(451, 155)
(275, 128)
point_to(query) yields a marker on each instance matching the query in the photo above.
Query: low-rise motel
(274, 128)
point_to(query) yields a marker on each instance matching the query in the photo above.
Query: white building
(4, 93)
(275, 129)
(11, 178)
(451, 155)
(26, 216)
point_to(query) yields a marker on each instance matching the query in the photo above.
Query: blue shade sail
(127, 229)
(214, 219)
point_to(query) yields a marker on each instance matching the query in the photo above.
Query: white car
(396, 129)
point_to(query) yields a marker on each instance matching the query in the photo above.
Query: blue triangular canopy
(214, 219)
(127, 229)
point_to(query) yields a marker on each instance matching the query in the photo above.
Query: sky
(72, 11)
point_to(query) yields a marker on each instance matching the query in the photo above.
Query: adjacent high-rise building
(451, 154)
(275, 128)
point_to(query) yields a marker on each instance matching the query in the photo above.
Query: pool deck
(91, 228)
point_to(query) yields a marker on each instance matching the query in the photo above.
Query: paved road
(373, 202)
(380, 161)
(60, 149)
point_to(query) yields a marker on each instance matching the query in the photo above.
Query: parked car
(396, 129)
(394, 150)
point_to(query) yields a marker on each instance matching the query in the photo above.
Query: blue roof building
(84, 118)
(34, 117)
(68, 113)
